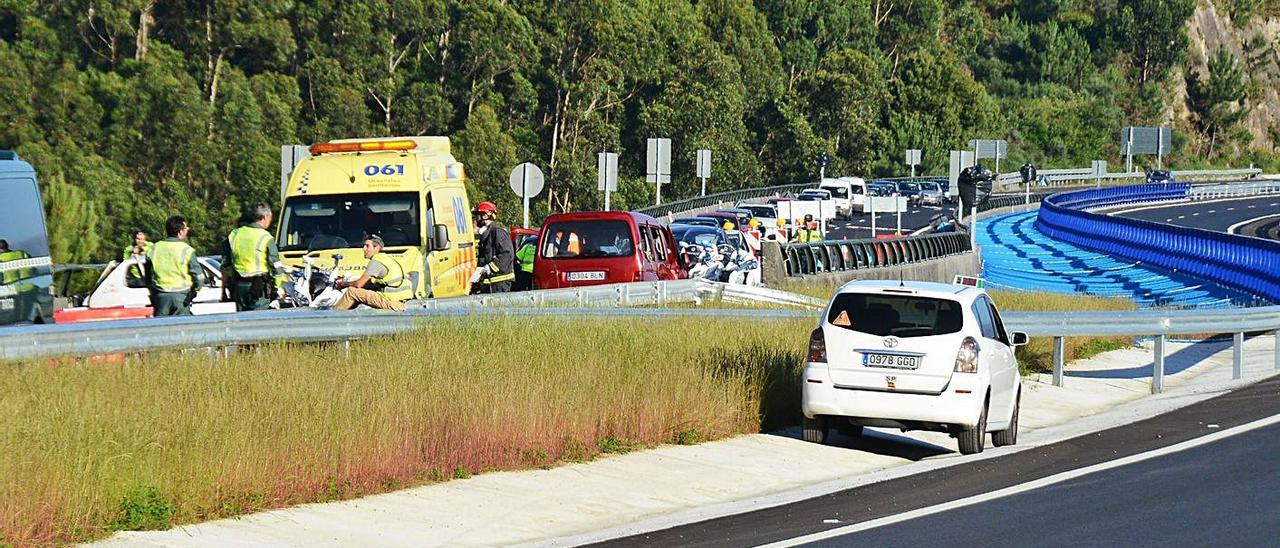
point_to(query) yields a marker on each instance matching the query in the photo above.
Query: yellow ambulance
(408, 190)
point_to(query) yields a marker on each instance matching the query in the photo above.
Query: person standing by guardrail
(140, 249)
(383, 285)
(495, 256)
(809, 233)
(524, 258)
(252, 271)
(173, 274)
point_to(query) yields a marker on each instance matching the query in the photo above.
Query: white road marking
(1231, 209)
(1233, 228)
(1182, 216)
(1168, 220)
(1196, 214)
(1028, 486)
(1213, 211)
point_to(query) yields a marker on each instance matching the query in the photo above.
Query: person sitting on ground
(383, 285)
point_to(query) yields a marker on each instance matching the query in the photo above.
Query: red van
(604, 247)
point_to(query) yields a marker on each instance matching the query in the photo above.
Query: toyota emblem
(890, 342)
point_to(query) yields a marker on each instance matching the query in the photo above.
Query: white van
(850, 194)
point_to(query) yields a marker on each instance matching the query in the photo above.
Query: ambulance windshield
(326, 222)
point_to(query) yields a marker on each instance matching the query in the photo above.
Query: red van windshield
(587, 239)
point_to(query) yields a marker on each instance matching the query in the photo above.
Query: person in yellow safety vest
(727, 225)
(139, 249)
(383, 284)
(173, 273)
(524, 258)
(251, 268)
(809, 233)
(11, 274)
(495, 258)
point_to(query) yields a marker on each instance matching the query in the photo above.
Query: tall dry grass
(175, 438)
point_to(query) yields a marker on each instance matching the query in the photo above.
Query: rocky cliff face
(1254, 45)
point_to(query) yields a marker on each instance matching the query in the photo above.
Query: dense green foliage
(133, 110)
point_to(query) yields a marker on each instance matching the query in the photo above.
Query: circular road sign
(526, 180)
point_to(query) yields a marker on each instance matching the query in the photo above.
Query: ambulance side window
(431, 213)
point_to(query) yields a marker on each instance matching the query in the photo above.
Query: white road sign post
(704, 167)
(871, 205)
(607, 175)
(990, 148)
(658, 165)
(1145, 140)
(897, 205)
(526, 182)
(913, 160)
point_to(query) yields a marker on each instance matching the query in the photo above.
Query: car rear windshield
(899, 315)
(588, 239)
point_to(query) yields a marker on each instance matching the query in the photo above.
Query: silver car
(931, 194)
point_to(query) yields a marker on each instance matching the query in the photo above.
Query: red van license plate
(594, 275)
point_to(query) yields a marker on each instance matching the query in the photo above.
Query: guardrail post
(1237, 356)
(346, 348)
(1157, 368)
(1059, 350)
(1277, 335)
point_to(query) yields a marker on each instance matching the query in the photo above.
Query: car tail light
(967, 356)
(817, 346)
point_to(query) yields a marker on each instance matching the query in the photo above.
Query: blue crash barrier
(1239, 262)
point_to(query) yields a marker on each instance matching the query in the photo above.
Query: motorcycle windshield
(339, 221)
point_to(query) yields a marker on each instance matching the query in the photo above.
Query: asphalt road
(1258, 216)
(1225, 493)
(886, 223)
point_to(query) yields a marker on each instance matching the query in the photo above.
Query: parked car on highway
(1160, 176)
(700, 221)
(881, 188)
(931, 194)
(744, 215)
(814, 195)
(917, 356)
(910, 190)
(116, 296)
(766, 214)
(603, 247)
(848, 192)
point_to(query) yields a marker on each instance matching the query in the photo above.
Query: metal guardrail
(1215, 192)
(844, 255)
(1158, 323)
(308, 325)
(1067, 177)
(731, 197)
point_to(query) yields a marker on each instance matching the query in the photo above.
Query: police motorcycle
(312, 286)
(721, 263)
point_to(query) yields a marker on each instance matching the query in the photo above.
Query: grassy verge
(172, 438)
(1037, 356)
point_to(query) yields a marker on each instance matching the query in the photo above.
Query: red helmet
(486, 207)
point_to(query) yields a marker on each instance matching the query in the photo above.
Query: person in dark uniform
(495, 258)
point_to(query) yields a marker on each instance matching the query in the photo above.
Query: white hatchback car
(914, 356)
